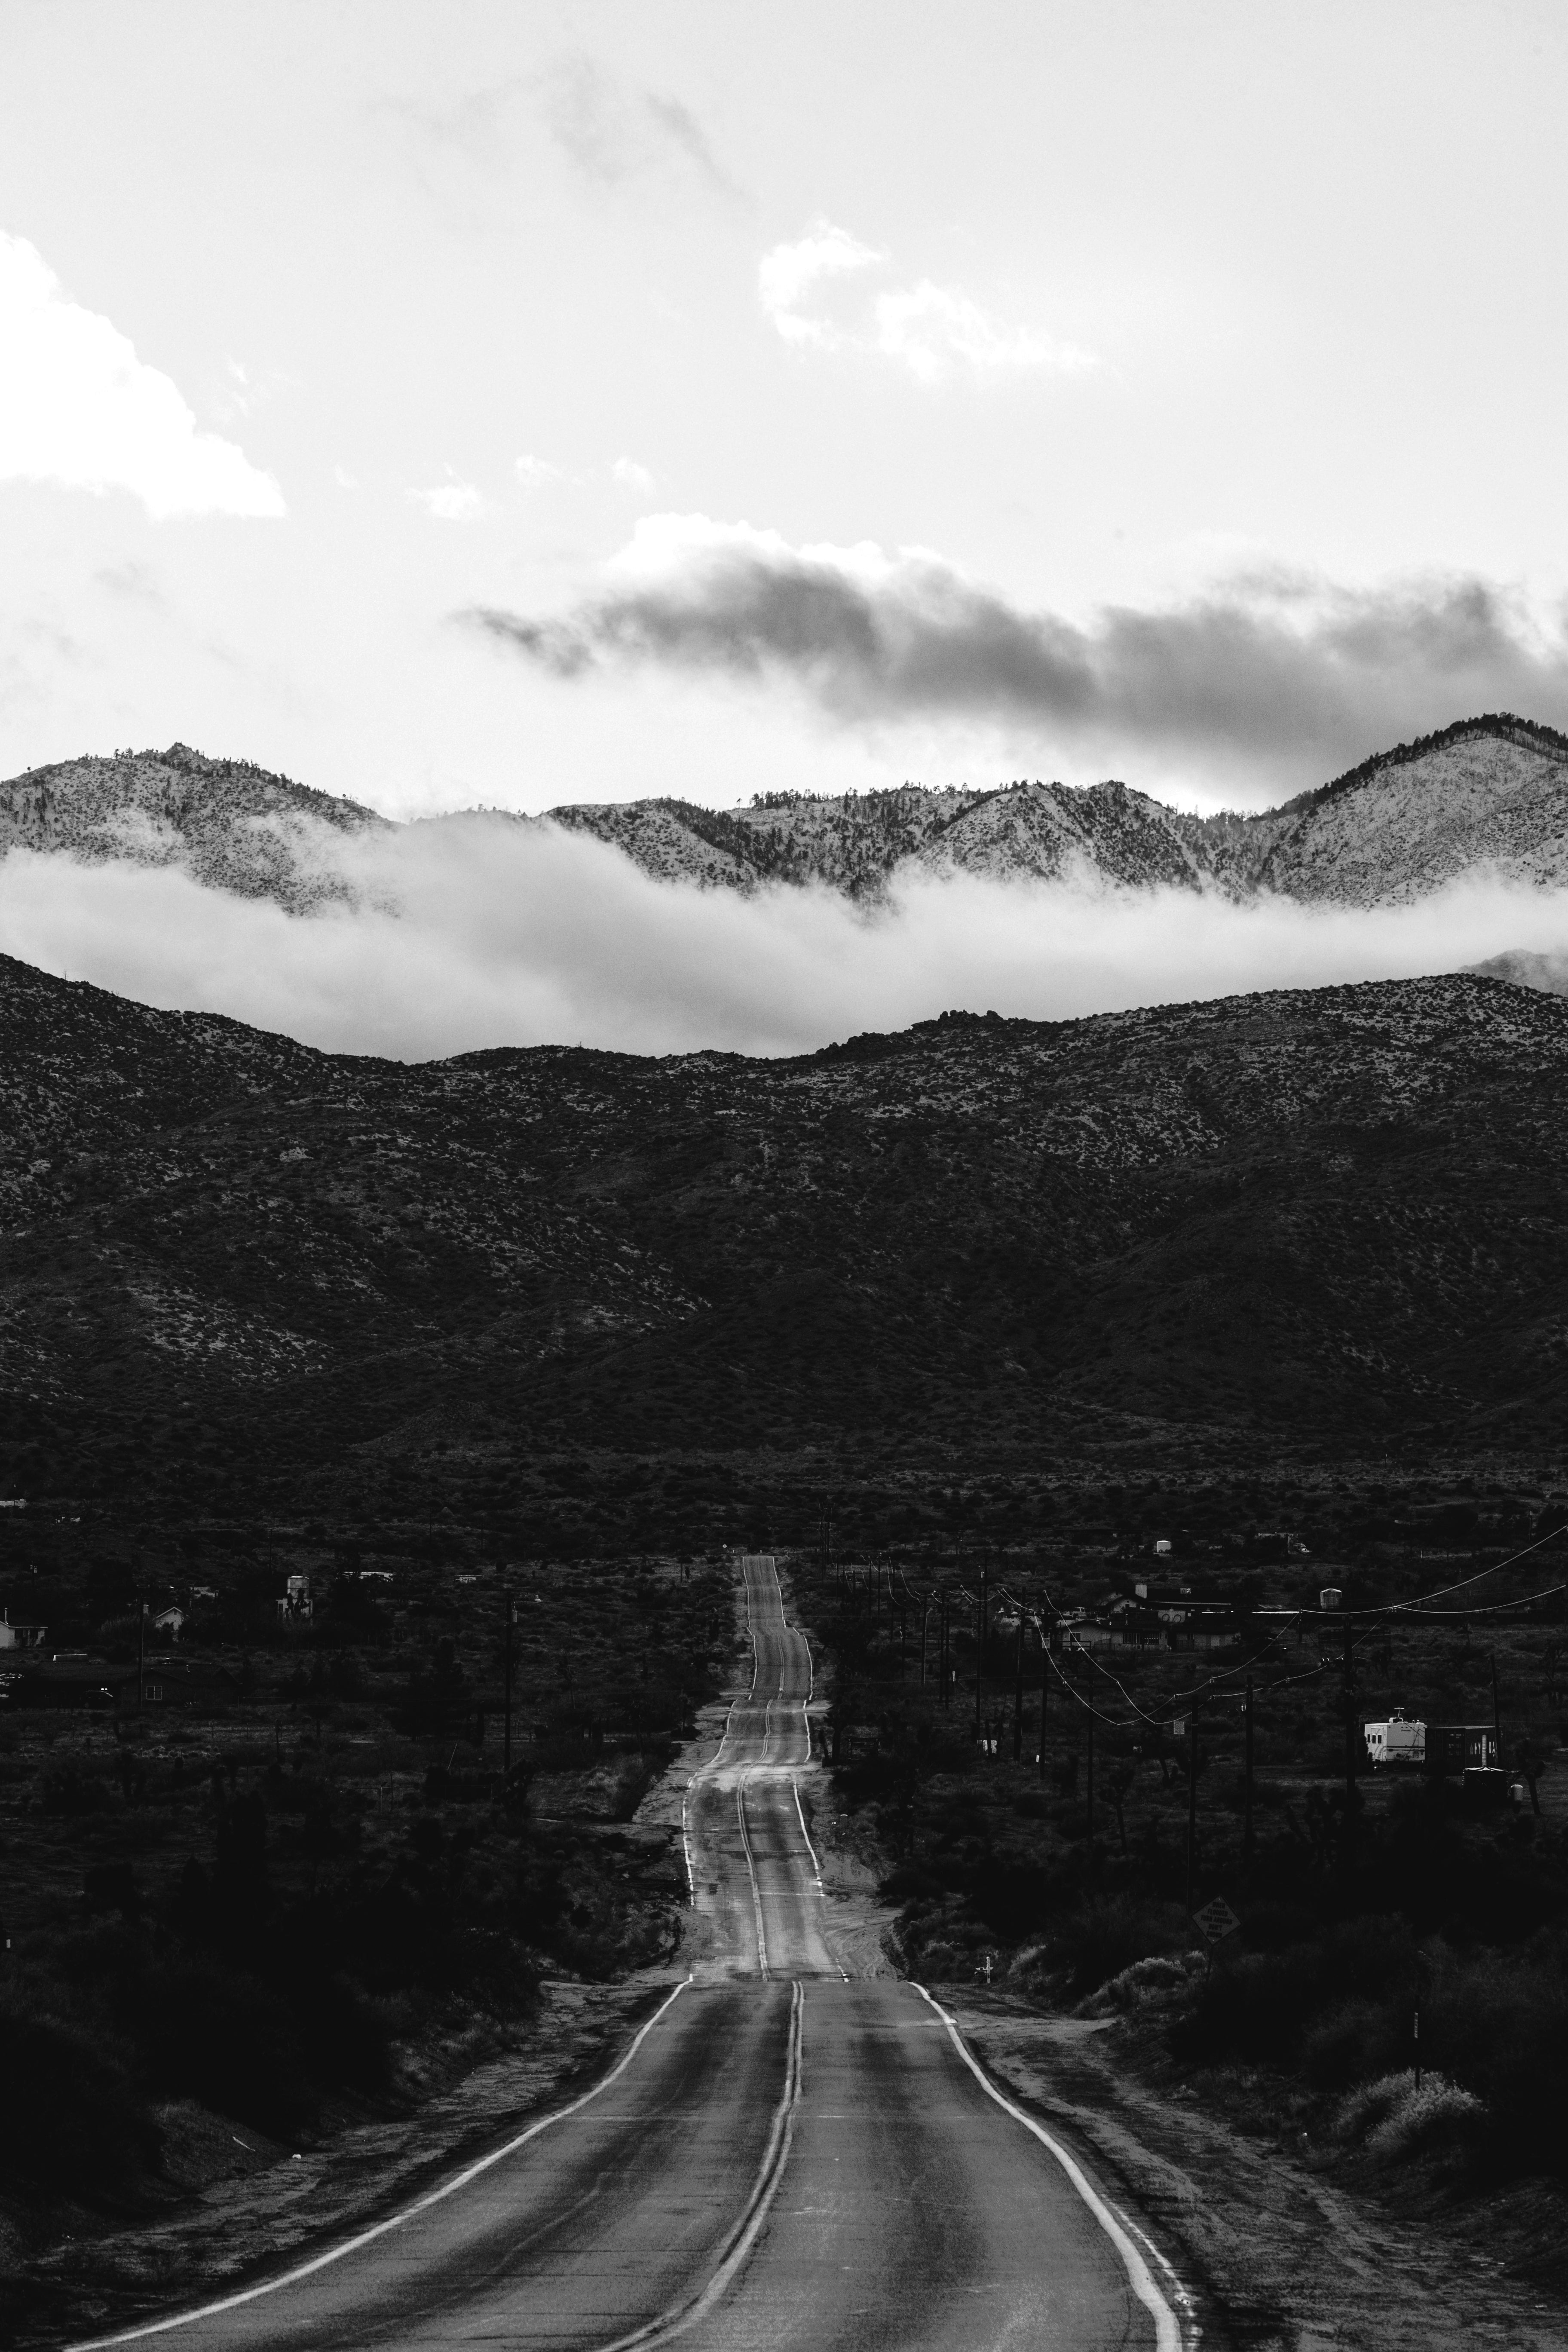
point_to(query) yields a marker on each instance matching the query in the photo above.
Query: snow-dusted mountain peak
(1486, 797)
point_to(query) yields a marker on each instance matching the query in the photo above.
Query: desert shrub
(1262, 2006)
(1348, 2043)
(1499, 2024)
(1368, 2105)
(1145, 1981)
(1418, 2119)
(1107, 1935)
(344, 2036)
(223, 2038)
(942, 1961)
(76, 2124)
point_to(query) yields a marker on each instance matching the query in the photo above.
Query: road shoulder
(1279, 2259)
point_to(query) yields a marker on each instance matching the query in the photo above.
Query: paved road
(783, 2161)
(754, 1876)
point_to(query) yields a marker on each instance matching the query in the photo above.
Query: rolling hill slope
(1285, 1225)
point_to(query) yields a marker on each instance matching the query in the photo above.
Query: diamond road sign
(1216, 1919)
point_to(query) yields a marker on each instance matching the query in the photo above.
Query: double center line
(748, 2226)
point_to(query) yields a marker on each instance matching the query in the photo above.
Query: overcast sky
(509, 404)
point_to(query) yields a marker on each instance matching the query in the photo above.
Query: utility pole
(1497, 1714)
(141, 1654)
(941, 1651)
(1045, 1686)
(925, 1621)
(1351, 1735)
(1191, 1806)
(1018, 1694)
(980, 1663)
(506, 1686)
(1089, 1786)
(1247, 1802)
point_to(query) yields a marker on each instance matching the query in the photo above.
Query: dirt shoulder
(231, 2205)
(266, 2204)
(1281, 2259)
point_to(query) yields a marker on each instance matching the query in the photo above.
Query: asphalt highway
(784, 2160)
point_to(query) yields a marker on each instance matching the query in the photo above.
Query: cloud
(451, 502)
(514, 932)
(614, 131)
(624, 473)
(135, 583)
(537, 473)
(682, 128)
(629, 476)
(791, 277)
(813, 291)
(1282, 678)
(78, 408)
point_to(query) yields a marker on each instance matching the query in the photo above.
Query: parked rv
(1449, 1750)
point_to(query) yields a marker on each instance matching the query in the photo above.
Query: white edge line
(1167, 2327)
(806, 1833)
(822, 1890)
(393, 2221)
(702, 1774)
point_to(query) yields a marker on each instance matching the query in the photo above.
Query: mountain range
(1299, 1226)
(1487, 795)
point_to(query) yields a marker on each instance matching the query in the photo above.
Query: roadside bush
(77, 2126)
(224, 2039)
(1145, 1981)
(1393, 2119)
(1348, 2043)
(1261, 2007)
(1439, 2111)
(1103, 1938)
(1500, 2027)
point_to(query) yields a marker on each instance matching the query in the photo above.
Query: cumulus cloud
(1283, 678)
(627, 474)
(818, 290)
(534, 473)
(514, 932)
(537, 473)
(78, 407)
(450, 501)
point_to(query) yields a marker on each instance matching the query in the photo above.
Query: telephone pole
(1191, 1806)
(1045, 1686)
(506, 1688)
(1090, 1784)
(980, 1663)
(1246, 1801)
(1352, 1735)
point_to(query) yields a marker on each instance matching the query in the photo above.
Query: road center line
(744, 2235)
(752, 1867)
(1167, 2327)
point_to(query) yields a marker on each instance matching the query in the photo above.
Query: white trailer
(1397, 1741)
